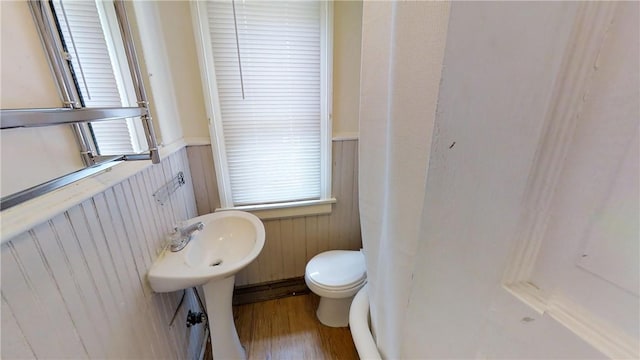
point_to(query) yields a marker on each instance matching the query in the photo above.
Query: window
(267, 72)
(91, 37)
(93, 61)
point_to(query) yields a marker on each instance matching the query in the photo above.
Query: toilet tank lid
(337, 268)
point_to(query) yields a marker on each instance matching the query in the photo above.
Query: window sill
(287, 210)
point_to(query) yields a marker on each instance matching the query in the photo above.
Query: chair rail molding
(580, 63)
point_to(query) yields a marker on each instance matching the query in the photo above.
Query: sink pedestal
(229, 241)
(225, 343)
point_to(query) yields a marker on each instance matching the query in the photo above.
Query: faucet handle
(178, 225)
(174, 236)
(176, 241)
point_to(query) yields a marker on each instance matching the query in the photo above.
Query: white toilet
(336, 276)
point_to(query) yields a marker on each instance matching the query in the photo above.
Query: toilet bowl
(336, 276)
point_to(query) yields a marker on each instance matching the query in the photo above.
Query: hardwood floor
(287, 328)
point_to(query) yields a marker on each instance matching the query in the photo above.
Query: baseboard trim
(270, 290)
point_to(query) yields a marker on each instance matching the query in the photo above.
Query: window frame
(115, 28)
(73, 112)
(210, 89)
(119, 62)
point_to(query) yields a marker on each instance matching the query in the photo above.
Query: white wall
(26, 79)
(175, 17)
(29, 156)
(501, 62)
(157, 71)
(347, 39)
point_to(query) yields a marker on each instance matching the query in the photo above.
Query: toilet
(336, 276)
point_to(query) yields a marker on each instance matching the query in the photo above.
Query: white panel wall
(75, 286)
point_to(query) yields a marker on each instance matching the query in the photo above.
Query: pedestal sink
(229, 241)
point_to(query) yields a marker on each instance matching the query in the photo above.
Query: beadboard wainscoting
(75, 286)
(291, 242)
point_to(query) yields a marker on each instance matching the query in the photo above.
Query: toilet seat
(338, 288)
(337, 270)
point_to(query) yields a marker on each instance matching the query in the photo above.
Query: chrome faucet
(182, 235)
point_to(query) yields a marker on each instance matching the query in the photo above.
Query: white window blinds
(97, 70)
(272, 137)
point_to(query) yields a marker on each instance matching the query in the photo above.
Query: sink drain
(216, 262)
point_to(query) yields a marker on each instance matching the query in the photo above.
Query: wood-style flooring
(287, 328)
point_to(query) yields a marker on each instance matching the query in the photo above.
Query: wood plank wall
(75, 286)
(291, 242)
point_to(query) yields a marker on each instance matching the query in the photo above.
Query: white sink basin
(229, 241)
